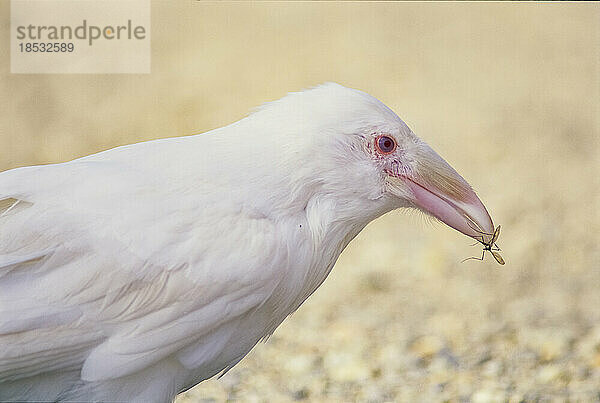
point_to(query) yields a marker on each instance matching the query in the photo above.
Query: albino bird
(135, 273)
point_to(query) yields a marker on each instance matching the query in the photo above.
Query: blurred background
(508, 93)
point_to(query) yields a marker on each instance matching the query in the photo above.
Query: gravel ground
(509, 94)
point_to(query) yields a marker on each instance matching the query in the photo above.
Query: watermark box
(80, 36)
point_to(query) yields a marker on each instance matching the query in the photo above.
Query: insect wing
(497, 257)
(496, 235)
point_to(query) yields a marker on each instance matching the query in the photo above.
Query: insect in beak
(490, 247)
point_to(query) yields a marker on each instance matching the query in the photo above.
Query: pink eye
(385, 144)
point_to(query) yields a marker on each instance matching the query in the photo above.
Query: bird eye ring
(385, 144)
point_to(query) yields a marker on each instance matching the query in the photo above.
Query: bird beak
(436, 188)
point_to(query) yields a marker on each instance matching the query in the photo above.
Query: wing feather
(110, 270)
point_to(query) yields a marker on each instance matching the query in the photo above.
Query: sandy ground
(509, 94)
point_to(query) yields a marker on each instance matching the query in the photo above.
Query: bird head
(360, 148)
(416, 175)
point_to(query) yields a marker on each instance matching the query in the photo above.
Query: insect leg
(474, 257)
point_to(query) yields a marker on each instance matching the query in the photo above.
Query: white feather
(137, 272)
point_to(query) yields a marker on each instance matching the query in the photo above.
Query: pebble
(548, 373)
(345, 367)
(427, 346)
(487, 396)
